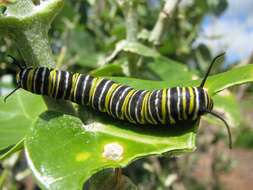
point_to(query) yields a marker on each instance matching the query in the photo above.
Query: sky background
(233, 29)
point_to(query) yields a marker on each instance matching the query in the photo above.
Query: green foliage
(64, 151)
(17, 116)
(245, 139)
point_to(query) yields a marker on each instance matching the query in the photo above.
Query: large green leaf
(63, 152)
(17, 115)
(162, 67)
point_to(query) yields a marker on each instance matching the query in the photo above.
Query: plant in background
(65, 144)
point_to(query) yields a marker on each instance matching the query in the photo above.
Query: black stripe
(25, 78)
(122, 101)
(61, 88)
(181, 108)
(187, 94)
(173, 103)
(87, 90)
(33, 79)
(115, 98)
(201, 100)
(153, 106)
(97, 93)
(133, 105)
(46, 82)
(55, 84)
(79, 89)
(68, 91)
(194, 103)
(38, 81)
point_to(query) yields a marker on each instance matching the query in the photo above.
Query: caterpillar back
(164, 106)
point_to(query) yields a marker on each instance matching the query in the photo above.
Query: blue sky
(232, 32)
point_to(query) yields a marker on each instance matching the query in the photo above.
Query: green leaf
(107, 70)
(168, 69)
(226, 105)
(17, 115)
(138, 48)
(63, 152)
(12, 150)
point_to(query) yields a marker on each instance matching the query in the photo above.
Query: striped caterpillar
(164, 106)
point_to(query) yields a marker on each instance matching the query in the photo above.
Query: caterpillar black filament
(165, 106)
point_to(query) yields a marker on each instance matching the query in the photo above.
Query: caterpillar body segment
(165, 106)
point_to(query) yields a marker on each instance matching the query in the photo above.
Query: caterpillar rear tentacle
(165, 106)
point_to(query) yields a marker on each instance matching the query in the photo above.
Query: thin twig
(162, 21)
(131, 21)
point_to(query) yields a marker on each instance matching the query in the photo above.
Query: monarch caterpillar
(164, 106)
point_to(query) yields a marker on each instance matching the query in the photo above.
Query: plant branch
(131, 22)
(162, 21)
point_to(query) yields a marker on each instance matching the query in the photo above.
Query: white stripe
(137, 105)
(129, 103)
(84, 87)
(156, 106)
(66, 83)
(197, 103)
(43, 80)
(120, 98)
(22, 77)
(206, 99)
(111, 99)
(101, 95)
(57, 82)
(168, 105)
(149, 109)
(178, 104)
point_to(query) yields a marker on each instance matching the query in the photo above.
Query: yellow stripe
(93, 85)
(95, 88)
(111, 98)
(150, 120)
(144, 109)
(108, 96)
(184, 103)
(54, 83)
(75, 88)
(51, 82)
(73, 85)
(163, 102)
(129, 110)
(34, 82)
(29, 80)
(149, 109)
(191, 100)
(125, 103)
(58, 84)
